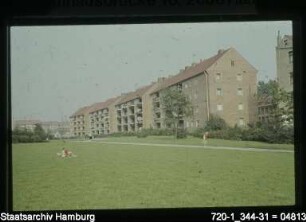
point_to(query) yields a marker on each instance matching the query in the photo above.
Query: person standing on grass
(205, 138)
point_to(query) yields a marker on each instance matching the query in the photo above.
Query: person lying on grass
(66, 153)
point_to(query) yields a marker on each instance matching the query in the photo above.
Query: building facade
(100, 117)
(284, 62)
(224, 85)
(79, 122)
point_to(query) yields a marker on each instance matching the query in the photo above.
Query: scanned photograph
(133, 116)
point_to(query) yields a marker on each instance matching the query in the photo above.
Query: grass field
(129, 176)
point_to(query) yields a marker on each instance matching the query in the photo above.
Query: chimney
(160, 79)
(220, 51)
(278, 38)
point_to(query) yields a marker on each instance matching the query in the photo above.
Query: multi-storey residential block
(131, 110)
(79, 122)
(284, 62)
(223, 85)
(100, 117)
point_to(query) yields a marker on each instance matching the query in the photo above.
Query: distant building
(25, 124)
(224, 85)
(54, 128)
(284, 62)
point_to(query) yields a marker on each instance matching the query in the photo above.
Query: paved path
(249, 149)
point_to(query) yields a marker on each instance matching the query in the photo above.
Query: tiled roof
(191, 71)
(135, 94)
(102, 105)
(81, 111)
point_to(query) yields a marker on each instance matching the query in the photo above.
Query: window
(196, 109)
(241, 122)
(291, 78)
(219, 107)
(195, 95)
(187, 124)
(232, 63)
(218, 76)
(240, 106)
(219, 92)
(239, 92)
(239, 77)
(197, 123)
(186, 85)
(290, 57)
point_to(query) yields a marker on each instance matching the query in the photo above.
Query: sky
(57, 69)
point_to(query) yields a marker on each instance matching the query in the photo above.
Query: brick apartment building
(224, 85)
(79, 122)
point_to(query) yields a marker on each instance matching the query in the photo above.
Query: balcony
(156, 109)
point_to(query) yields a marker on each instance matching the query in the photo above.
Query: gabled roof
(96, 106)
(135, 94)
(191, 71)
(102, 105)
(81, 111)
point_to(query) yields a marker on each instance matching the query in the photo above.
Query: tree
(281, 103)
(176, 106)
(39, 131)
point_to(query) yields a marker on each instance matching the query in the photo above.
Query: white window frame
(219, 92)
(240, 92)
(219, 107)
(240, 106)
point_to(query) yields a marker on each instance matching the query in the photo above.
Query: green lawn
(198, 141)
(127, 176)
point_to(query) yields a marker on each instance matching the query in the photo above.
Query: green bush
(142, 134)
(181, 133)
(215, 123)
(198, 133)
(261, 133)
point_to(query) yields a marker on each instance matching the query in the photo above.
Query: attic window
(232, 63)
